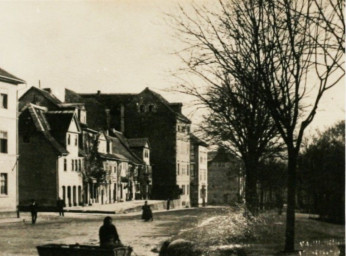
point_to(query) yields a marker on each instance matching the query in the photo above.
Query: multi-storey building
(49, 164)
(8, 142)
(120, 164)
(225, 178)
(199, 171)
(141, 147)
(149, 115)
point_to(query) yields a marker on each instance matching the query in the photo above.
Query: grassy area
(265, 231)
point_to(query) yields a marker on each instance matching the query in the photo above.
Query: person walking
(33, 209)
(108, 234)
(60, 205)
(147, 213)
(168, 203)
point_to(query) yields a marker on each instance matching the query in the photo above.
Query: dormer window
(76, 140)
(68, 139)
(151, 108)
(142, 108)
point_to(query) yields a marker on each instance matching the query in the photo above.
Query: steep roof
(167, 104)
(109, 98)
(120, 146)
(9, 78)
(138, 142)
(49, 96)
(96, 117)
(38, 115)
(60, 122)
(222, 156)
(198, 141)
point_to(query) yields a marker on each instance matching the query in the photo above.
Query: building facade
(225, 179)
(149, 115)
(199, 171)
(50, 166)
(120, 166)
(8, 142)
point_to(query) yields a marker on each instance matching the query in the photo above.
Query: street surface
(23, 237)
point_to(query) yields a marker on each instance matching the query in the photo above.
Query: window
(151, 108)
(188, 189)
(188, 170)
(65, 164)
(178, 168)
(79, 165)
(76, 140)
(192, 170)
(3, 100)
(183, 189)
(146, 153)
(72, 164)
(3, 184)
(76, 164)
(3, 142)
(142, 108)
(68, 139)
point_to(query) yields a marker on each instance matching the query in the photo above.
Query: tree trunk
(251, 185)
(291, 186)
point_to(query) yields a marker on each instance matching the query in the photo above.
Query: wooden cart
(82, 250)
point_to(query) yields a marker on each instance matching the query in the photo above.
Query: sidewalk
(117, 208)
(120, 208)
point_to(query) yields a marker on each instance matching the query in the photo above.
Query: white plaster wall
(183, 159)
(202, 171)
(8, 162)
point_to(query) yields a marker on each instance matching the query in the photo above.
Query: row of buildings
(102, 148)
(144, 148)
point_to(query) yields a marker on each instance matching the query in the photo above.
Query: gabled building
(225, 178)
(149, 115)
(199, 171)
(122, 166)
(141, 147)
(49, 164)
(8, 142)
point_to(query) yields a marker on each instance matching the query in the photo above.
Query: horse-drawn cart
(82, 250)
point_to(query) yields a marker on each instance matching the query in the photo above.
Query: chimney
(177, 106)
(48, 90)
(108, 118)
(98, 92)
(122, 118)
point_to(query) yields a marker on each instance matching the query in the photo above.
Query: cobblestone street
(21, 238)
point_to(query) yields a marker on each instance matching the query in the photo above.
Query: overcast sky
(113, 46)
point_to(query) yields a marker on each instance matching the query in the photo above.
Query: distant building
(149, 115)
(49, 165)
(199, 171)
(225, 178)
(141, 147)
(8, 142)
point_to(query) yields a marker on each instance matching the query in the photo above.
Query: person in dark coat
(168, 203)
(108, 234)
(60, 205)
(147, 213)
(33, 209)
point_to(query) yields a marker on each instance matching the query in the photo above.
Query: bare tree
(228, 89)
(299, 51)
(285, 49)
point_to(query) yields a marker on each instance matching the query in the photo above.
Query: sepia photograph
(172, 127)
